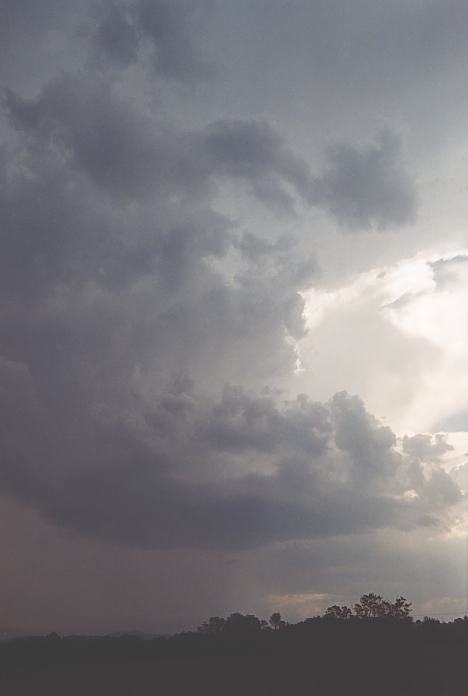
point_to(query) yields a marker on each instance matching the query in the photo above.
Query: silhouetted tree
(276, 622)
(236, 623)
(372, 606)
(243, 623)
(401, 608)
(337, 612)
(213, 626)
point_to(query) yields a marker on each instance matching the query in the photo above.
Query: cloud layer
(120, 334)
(159, 242)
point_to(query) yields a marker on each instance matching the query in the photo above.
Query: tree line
(370, 606)
(373, 647)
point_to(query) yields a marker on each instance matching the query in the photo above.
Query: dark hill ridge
(326, 656)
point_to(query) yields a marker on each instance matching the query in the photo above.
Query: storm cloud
(122, 334)
(165, 27)
(233, 473)
(367, 188)
(164, 235)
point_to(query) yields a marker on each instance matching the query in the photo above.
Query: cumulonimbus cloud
(119, 330)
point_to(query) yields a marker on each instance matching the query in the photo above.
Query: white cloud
(397, 335)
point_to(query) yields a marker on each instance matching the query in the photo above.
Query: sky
(233, 327)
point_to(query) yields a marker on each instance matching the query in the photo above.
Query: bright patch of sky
(410, 312)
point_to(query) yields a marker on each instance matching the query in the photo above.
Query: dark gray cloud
(126, 29)
(109, 236)
(117, 34)
(138, 476)
(255, 153)
(120, 332)
(367, 188)
(128, 154)
(38, 40)
(104, 136)
(169, 27)
(363, 188)
(322, 66)
(139, 281)
(131, 155)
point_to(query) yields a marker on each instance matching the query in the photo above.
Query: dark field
(314, 657)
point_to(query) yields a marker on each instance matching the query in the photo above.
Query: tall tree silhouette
(372, 606)
(276, 622)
